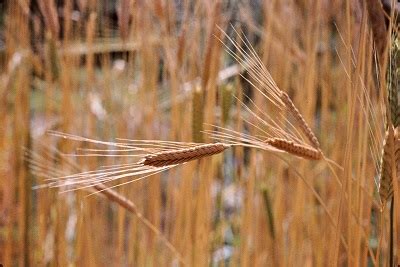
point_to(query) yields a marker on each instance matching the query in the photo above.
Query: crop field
(199, 133)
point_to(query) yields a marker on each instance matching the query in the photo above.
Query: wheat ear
(386, 174)
(178, 156)
(299, 118)
(386, 180)
(295, 149)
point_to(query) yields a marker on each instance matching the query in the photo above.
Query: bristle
(179, 156)
(295, 149)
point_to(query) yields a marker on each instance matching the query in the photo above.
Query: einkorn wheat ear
(178, 156)
(155, 156)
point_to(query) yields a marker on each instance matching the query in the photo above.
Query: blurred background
(157, 70)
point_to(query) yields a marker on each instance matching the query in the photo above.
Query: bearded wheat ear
(295, 149)
(301, 121)
(390, 159)
(179, 156)
(155, 156)
(386, 177)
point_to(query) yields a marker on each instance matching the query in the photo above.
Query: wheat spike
(178, 156)
(386, 177)
(302, 123)
(391, 145)
(295, 149)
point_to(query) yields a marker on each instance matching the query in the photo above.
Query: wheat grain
(295, 149)
(178, 156)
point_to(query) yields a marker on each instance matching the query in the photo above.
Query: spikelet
(197, 115)
(178, 156)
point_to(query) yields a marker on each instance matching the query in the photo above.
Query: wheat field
(199, 133)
